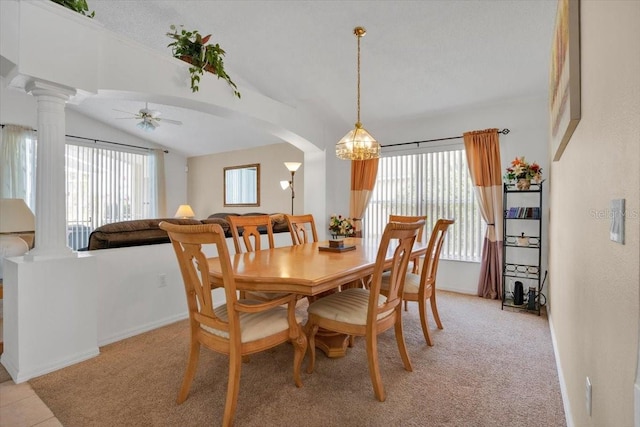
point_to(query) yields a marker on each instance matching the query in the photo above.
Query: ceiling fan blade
(128, 112)
(173, 122)
(125, 118)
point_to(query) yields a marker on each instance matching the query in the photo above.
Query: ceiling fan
(150, 119)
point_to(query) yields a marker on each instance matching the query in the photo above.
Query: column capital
(38, 87)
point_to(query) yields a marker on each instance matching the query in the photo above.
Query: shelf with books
(522, 244)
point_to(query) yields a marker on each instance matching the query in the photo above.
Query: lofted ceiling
(419, 59)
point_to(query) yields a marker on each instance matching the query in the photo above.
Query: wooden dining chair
(235, 328)
(422, 287)
(408, 218)
(364, 312)
(300, 226)
(245, 230)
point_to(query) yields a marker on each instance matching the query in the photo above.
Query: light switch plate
(617, 221)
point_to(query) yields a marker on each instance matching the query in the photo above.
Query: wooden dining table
(307, 270)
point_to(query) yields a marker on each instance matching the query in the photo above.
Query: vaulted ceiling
(419, 59)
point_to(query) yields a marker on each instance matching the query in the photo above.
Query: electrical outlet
(588, 395)
(162, 280)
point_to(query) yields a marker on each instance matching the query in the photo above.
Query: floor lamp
(292, 167)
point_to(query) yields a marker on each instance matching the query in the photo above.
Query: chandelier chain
(358, 37)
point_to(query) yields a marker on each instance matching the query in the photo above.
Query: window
(104, 186)
(435, 184)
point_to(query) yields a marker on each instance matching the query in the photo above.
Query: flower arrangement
(520, 169)
(340, 226)
(191, 47)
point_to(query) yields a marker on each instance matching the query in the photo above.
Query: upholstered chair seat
(254, 326)
(411, 282)
(349, 306)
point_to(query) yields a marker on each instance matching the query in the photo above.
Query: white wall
(595, 281)
(205, 180)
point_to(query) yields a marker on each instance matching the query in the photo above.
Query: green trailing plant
(192, 47)
(79, 6)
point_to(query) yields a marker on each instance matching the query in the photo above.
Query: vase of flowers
(340, 226)
(523, 173)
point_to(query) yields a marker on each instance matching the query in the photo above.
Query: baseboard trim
(459, 290)
(142, 329)
(20, 377)
(563, 385)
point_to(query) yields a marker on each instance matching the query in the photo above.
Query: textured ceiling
(419, 58)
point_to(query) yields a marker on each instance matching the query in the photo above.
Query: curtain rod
(102, 140)
(503, 132)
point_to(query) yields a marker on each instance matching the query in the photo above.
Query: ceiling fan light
(146, 126)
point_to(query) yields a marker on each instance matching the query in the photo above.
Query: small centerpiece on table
(523, 173)
(341, 226)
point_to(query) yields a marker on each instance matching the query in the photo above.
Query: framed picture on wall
(564, 76)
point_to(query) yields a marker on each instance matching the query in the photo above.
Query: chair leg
(300, 348)
(313, 329)
(233, 387)
(192, 366)
(422, 307)
(374, 369)
(434, 309)
(402, 345)
(406, 305)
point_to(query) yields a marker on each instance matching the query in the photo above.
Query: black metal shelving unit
(516, 245)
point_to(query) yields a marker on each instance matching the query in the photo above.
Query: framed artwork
(564, 78)
(242, 185)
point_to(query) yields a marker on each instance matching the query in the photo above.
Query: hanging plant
(79, 6)
(191, 47)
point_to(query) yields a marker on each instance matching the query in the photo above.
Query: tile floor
(21, 407)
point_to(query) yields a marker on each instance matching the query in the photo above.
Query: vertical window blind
(104, 186)
(435, 184)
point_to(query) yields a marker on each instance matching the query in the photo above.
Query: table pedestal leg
(333, 344)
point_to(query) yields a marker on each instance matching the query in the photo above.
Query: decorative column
(51, 219)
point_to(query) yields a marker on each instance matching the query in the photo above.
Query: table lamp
(184, 211)
(15, 218)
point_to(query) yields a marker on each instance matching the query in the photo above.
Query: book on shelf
(522, 212)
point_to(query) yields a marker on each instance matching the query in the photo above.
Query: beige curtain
(483, 156)
(18, 164)
(160, 191)
(363, 179)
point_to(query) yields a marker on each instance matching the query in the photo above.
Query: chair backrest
(409, 218)
(399, 237)
(432, 256)
(187, 241)
(300, 226)
(251, 226)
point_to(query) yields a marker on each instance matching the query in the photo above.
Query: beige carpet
(488, 368)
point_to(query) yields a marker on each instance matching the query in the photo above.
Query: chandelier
(358, 144)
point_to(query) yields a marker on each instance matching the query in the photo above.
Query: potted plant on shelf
(191, 47)
(79, 6)
(523, 173)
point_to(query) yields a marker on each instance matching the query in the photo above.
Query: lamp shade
(184, 211)
(292, 166)
(284, 184)
(16, 217)
(358, 144)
